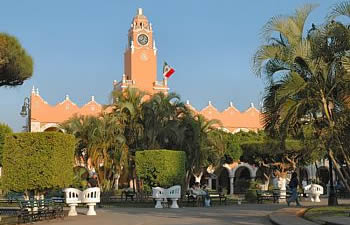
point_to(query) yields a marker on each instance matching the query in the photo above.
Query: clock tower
(140, 58)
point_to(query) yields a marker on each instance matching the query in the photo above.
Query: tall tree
(161, 115)
(101, 144)
(16, 65)
(307, 84)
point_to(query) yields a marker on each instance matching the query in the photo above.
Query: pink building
(140, 68)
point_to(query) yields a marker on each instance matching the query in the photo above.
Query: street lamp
(26, 110)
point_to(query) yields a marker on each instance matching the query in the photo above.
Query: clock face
(142, 39)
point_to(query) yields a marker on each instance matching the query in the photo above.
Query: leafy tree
(16, 65)
(307, 82)
(38, 161)
(161, 116)
(4, 130)
(101, 142)
(127, 107)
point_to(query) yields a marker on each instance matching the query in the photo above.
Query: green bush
(38, 161)
(4, 130)
(250, 195)
(162, 168)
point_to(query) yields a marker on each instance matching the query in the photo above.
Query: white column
(231, 185)
(209, 183)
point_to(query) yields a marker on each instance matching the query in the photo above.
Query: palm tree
(102, 142)
(127, 106)
(306, 80)
(196, 143)
(340, 9)
(161, 115)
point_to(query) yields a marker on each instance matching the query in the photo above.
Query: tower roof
(139, 15)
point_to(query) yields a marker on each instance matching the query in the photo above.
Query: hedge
(4, 130)
(38, 161)
(162, 168)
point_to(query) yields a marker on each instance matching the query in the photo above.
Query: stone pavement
(252, 214)
(245, 214)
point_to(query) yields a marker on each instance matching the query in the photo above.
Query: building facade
(140, 71)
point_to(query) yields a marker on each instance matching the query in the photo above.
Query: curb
(289, 216)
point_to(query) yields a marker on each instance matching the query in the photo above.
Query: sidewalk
(293, 216)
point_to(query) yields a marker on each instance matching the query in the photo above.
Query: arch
(51, 127)
(323, 175)
(223, 181)
(252, 169)
(304, 174)
(242, 179)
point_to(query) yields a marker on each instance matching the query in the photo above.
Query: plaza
(243, 214)
(184, 113)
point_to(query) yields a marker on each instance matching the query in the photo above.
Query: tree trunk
(116, 181)
(198, 177)
(187, 180)
(266, 181)
(338, 171)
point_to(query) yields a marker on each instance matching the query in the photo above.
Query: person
(293, 185)
(207, 200)
(92, 181)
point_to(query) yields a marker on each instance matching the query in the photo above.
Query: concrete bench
(314, 190)
(161, 195)
(90, 197)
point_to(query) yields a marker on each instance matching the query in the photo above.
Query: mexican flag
(167, 70)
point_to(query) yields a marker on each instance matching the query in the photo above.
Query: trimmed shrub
(38, 161)
(163, 168)
(4, 130)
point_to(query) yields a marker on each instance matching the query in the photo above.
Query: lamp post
(26, 111)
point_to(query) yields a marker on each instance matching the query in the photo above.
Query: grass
(315, 213)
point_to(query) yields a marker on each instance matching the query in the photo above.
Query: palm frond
(340, 9)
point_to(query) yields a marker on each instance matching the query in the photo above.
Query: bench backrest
(314, 188)
(174, 192)
(158, 192)
(72, 195)
(91, 195)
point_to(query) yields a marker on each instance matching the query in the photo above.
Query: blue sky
(78, 47)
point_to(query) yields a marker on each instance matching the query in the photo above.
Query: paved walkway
(291, 216)
(251, 214)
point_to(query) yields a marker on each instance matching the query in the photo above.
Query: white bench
(174, 193)
(314, 190)
(159, 195)
(90, 197)
(72, 198)
(162, 194)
